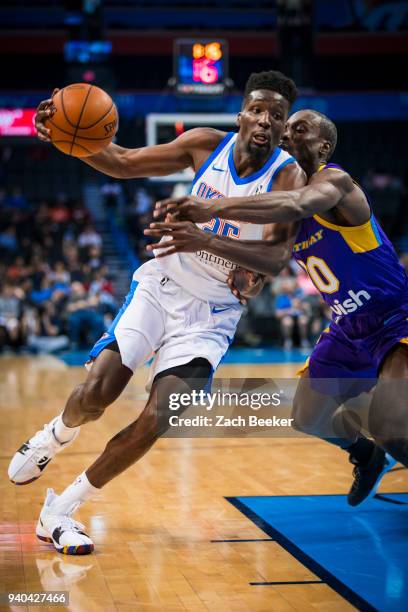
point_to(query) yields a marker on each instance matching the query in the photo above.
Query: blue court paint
(265, 355)
(233, 356)
(362, 553)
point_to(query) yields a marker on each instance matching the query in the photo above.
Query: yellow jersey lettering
(305, 244)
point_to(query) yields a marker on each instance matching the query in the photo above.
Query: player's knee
(95, 397)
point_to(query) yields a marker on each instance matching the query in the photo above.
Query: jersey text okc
(208, 192)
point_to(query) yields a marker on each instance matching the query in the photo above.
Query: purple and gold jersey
(356, 269)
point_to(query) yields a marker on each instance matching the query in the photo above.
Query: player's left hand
(186, 208)
(245, 284)
(185, 237)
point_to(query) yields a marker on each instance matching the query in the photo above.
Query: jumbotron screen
(200, 66)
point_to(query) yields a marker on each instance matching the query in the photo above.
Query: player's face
(301, 137)
(261, 122)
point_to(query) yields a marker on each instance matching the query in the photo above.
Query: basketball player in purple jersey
(354, 266)
(180, 310)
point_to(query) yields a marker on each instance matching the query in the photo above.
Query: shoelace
(43, 437)
(67, 523)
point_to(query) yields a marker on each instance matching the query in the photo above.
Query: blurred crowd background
(71, 237)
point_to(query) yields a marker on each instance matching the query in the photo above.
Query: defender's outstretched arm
(272, 207)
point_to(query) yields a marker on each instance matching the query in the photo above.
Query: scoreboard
(200, 66)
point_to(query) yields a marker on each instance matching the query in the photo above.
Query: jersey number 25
(222, 228)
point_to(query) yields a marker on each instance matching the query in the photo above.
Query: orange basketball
(85, 120)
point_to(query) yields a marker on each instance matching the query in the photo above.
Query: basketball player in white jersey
(180, 309)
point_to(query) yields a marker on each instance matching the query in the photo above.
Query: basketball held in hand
(84, 120)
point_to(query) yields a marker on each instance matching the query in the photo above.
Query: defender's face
(301, 137)
(262, 120)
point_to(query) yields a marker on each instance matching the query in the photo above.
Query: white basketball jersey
(203, 274)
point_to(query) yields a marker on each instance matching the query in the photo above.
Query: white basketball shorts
(160, 319)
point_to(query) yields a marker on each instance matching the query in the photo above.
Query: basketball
(84, 121)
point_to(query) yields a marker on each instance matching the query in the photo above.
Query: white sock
(74, 495)
(62, 432)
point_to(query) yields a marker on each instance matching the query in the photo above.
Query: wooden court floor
(153, 526)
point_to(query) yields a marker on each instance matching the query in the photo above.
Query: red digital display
(205, 67)
(201, 66)
(17, 122)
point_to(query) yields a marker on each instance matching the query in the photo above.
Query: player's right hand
(44, 111)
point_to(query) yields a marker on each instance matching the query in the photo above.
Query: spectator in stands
(43, 293)
(8, 243)
(60, 213)
(111, 191)
(89, 237)
(80, 215)
(59, 275)
(287, 278)
(17, 272)
(311, 297)
(94, 258)
(290, 309)
(11, 300)
(259, 322)
(83, 316)
(100, 283)
(73, 264)
(47, 336)
(102, 287)
(143, 202)
(42, 216)
(37, 269)
(138, 217)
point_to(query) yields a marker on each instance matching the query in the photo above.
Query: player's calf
(126, 447)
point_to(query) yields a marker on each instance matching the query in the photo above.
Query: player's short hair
(328, 131)
(274, 81)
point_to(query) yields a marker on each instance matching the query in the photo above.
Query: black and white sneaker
(34, 455)
(66, 534)
(367, 476)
